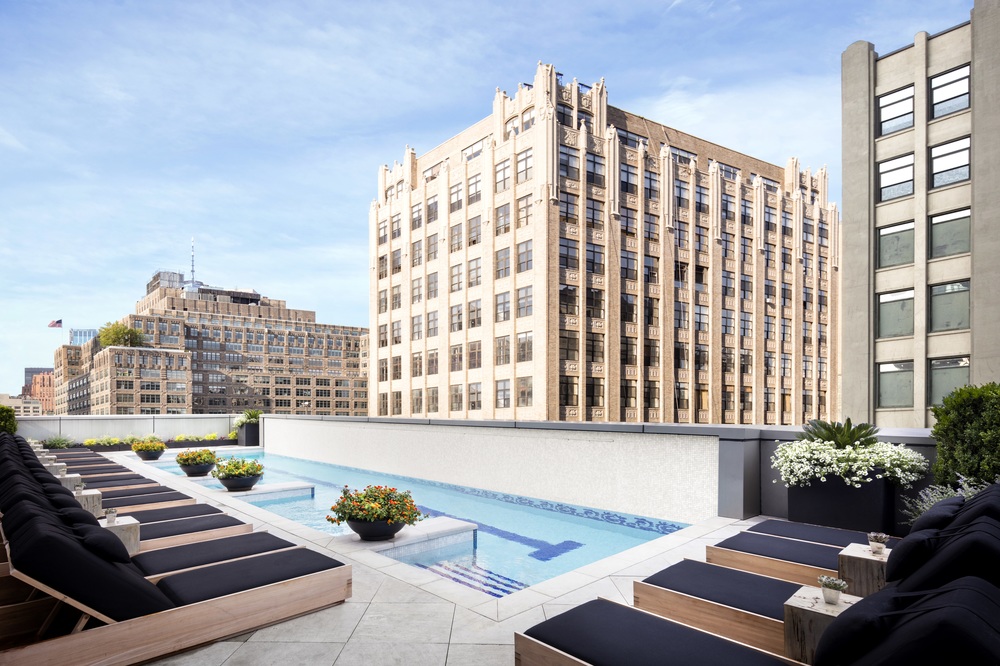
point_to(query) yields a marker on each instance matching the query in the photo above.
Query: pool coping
(349, 548)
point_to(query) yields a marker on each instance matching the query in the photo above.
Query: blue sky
(128, 127)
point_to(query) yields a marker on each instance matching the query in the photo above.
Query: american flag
(55, 323)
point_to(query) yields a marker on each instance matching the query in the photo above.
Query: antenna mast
(192, 261)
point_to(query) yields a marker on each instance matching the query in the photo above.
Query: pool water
(520, 541)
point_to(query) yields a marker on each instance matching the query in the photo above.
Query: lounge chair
(830, 536)
(742, 606)
(788, 559)
(602, 632)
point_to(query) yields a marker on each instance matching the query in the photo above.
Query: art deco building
(210, 350)
(42, 390)
(921, 165)
(563, 259)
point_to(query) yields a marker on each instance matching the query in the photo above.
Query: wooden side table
(806, 618)
(125, 528)
(863, 570)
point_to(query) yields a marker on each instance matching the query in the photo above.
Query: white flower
(801, 461)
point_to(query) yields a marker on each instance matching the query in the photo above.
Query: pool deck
(400, 614)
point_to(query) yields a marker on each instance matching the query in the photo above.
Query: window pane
(947, 374)
(895, 245)
(895, 314)
(895, 384)
(950, 234)
(950, 306)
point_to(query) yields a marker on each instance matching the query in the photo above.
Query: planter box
(870, 508)
(249, 434)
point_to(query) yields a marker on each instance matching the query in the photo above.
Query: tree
(117, 334)
(968, 434)
(8, 421)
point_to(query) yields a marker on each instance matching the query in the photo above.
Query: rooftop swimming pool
(520, 541)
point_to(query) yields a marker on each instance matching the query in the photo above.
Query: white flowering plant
(801, 462)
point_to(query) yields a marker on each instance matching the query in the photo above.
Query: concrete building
(921, 160)
(78, 336)
(29, 375)
(563, 259)
(42, 390)
(209, 350)
(23, 406)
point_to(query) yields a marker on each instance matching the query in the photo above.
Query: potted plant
(197, 462)
(877, 541)
(238, 473)
(247, 426)
(150, 448)
(376, 513)
(832, 587)
(840, 475)
(58, 442)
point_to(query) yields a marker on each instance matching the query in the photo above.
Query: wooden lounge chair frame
(759, 631)
(793, 572)
(193, 537)
(531, 652)
(159, 634)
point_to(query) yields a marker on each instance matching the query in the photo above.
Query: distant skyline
(127, 128)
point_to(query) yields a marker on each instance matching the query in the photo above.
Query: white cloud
(10, 141)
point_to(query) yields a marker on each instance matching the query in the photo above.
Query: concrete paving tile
(652, 565)
(210, 655)
(480, 655)
(393, 654)
(405, 623)
(466, 597)
(488, 610)
(409, 574)
(365, 583)
(472, 628)
(560, 585)
(399, 592)
(624, 585)
(519, 602)
(260, 653)
(331, 625)
(601, 588)
(551, 610)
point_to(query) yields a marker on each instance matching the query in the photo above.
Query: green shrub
(233, 434)
(968, 435)
(198, 457)
(58, 442)
(130, 440)
(146, 445)
(914, 507)
(211, 437)
(101, 441)
(235, 468)
(8, 422)
(248, 417)
(842, 435)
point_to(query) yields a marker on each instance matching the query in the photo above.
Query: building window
(432, 247)
(595, 170)
(595, 304)
(432, 400)
(680, 314)
(651, 185)
(729, 322)
(383, 232)
(456, 278)
(432, 209)
(569, 163)
(524, 306)
(895, 178)
(950, 234)
(631, 139)
(700, 239)
(700, 199)
(475, 313)
(475, 355)
(417, 364)
(629, 179)
(475, 188)
(746, 324)
(950, 162)
(432, 324)
(682, 399)
(501, 348)
(416, 327)
(701, 358)
(595, 214)
(502, 306)
(629, 395)
(728, 207)
(895, 111)
(524, 347)
(950, 306)
(432, 363)
(568, 208)
(383, 267)
(595, 392)
(456, 237)
(455, 356)
(417, 253)
(628, 221)
(946, 375)
(630, 267)
(595, 259)
(502, 393)
(682, 195)
(568, 303)
(456, 318)
(417, 216)
(432, 285)
(895, 245)
(397, 372)
(808, 231)
(502, 224)
(502, 263)
(524, 397)
(651, 270)
(397, 261)
(474, 235)
(681, 235)
(569, 345)
(455, 199)
(417, 401)
(525, 165)
(456, 397)
(746, 287)
(502, 176)
(523, 212)
(895, 384)
(595, 347)
(651, 353)
(651, 227)
(475, 272)
(895, 314)
(746, 211)
(727, 245)
(527, 120)
(569, 254)
(568, 392)
(630, 310)
(564, 115)
(383, 301)
(950, 92)
(524, 256)
(701, 317)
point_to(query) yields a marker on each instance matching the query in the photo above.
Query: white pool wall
(672, 477)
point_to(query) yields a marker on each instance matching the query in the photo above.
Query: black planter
(378, 530)
(197, 470)
(249, 435)
(240, 482)
(149, 455)
(870, 508)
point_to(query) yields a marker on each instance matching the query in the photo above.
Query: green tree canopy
(8, 420)
(117, 334)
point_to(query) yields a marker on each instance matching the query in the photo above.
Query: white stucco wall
(672, 477)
